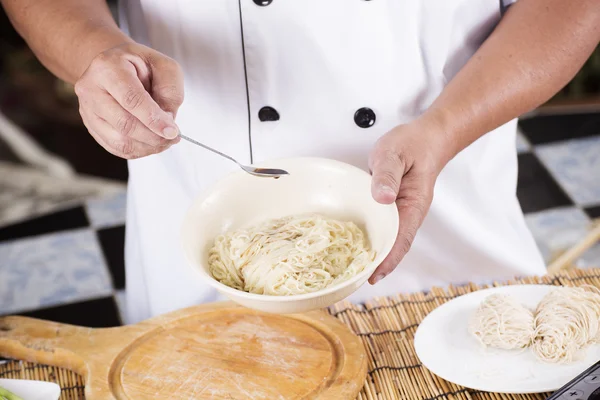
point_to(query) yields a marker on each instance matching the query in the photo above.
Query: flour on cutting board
(222, 353)
(231, 358)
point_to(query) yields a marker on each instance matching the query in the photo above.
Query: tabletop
(386, 327)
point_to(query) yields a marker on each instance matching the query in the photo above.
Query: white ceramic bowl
(31, 390)
(315, 185)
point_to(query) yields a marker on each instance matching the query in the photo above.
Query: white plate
(446, 348)
(32, 390)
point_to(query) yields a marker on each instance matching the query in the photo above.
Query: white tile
(576, 166)
(559, 229)
(52, 269)
(26, 192)
(107, 211)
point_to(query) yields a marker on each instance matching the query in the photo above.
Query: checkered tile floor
(68, 265)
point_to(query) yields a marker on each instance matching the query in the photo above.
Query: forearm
(537, 48)
(65, 34)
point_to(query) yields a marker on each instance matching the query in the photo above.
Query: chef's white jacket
(282, 78)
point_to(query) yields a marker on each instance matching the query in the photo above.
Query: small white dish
(315, 185)
(31, 390)
(447, 349)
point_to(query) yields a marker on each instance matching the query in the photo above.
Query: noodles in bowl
(290, 256)
(291, 245)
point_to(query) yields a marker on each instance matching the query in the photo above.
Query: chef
(422, 93)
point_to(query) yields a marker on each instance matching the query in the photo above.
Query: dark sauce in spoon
(269, 171)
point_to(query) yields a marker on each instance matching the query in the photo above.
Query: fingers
(413, 202)
(128, 98)
(126, 88)
(115, 143)
(125, 124)
(387, 168)
(167, 84)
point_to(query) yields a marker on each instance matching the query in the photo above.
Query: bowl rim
(227, 290)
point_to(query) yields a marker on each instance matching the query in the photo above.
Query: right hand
(128, 99)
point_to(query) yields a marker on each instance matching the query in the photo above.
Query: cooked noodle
(290, 255)
(503, 323)
(565, 321)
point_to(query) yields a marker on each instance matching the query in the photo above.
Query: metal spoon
(262, 172)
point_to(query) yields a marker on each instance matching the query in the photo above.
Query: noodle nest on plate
(503, 323)
(289, 256)
(565, 321)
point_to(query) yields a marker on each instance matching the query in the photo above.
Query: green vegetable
(6, 395)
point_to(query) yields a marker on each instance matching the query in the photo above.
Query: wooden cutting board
(215, 351)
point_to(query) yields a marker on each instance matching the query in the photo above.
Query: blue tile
(107, 211)
(591, 258)
(575, 164)
(50, 270)
(559, 229)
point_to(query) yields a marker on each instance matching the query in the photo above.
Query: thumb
(167, 84)
(387, 169)
(413, 203)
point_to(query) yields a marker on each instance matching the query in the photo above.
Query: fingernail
(378, 277)
(170, 132)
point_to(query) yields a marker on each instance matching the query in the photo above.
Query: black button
(268, 114)
(262, 2)
(364, 117)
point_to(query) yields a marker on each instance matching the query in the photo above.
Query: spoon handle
(189, 139)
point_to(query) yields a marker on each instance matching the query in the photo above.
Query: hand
(128, 98)
(405, 164)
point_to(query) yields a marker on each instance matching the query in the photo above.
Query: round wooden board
(217, 352)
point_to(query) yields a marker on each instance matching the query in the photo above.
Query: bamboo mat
(386, 327)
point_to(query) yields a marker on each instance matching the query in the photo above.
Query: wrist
(96, 41)
(436, 127)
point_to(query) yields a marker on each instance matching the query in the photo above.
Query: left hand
(405, 164)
